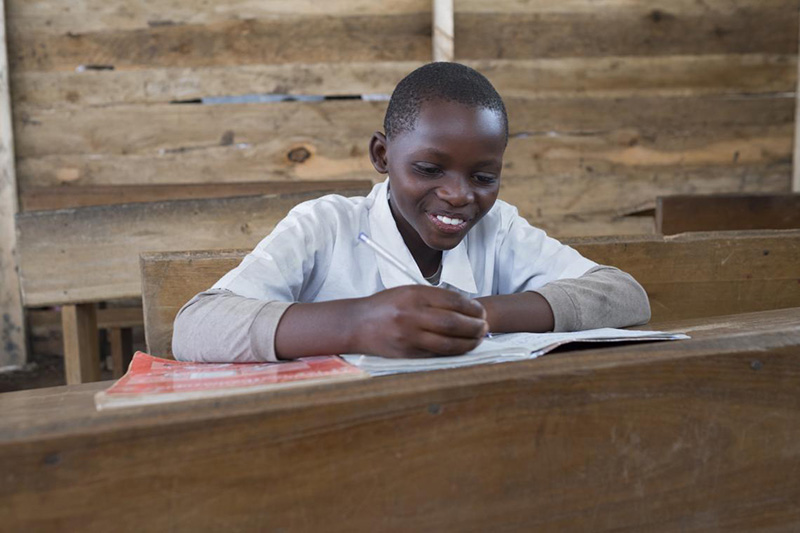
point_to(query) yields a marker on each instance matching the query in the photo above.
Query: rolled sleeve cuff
(565, 312)
(263, 329)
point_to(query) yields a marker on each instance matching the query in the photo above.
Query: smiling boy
(308, 289)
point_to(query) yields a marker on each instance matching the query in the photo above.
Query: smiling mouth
(450, 221)
(447, 224)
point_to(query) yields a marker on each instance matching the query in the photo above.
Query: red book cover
(151, 380)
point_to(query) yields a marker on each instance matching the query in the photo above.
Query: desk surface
(694, 434)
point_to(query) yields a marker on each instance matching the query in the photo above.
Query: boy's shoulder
(335, 205)
(501, 215)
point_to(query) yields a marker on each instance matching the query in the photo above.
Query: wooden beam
(580, 28)
(796, 159)
(121, 341)
(48, 198)
(443, 24)
(726, 212)
(81, 343)
(12, 316)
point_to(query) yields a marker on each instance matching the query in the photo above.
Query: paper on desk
(503, 348)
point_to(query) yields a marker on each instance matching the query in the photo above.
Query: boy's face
(444, 174)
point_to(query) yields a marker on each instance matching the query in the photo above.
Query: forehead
(441, 124)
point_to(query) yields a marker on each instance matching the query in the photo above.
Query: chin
(443, 244)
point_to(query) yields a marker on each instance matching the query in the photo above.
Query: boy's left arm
(602, 297)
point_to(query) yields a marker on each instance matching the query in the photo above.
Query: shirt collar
(456, 266)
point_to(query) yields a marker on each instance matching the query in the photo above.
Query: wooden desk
(688, 435)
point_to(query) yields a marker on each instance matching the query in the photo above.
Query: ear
(377, 152)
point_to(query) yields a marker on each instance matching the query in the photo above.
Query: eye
(486, 179)
(427, 169)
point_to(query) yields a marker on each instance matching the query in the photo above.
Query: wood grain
(604, 77)
(90, 254)
(232, 40)
(696, 275)
(91, 16)
(46, 198)
(580, 156)
(81, 344)
(721, 212)
(524, 30)
(169, 280)
(652, 437)
(13, 350)
(163, 85)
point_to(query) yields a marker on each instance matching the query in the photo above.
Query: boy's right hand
(418, 321)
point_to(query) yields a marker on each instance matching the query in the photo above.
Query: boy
(308, 289)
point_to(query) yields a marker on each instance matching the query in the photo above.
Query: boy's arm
(603, 297)
(410, 321)
(218, 326)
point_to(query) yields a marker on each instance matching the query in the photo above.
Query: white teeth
(450, 221)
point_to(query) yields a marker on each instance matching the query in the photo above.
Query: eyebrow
(444, 155)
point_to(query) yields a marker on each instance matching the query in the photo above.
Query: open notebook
(505, 347)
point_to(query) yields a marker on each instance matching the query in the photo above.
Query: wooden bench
(692, 435)
(693, 275)
(682, 213)
(76, 257)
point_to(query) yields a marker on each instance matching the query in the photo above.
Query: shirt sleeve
(236, 320)
(527, 258)
(604, 297)
(218, 326)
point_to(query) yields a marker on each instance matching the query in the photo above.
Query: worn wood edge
(386, 388)
(68, 197)
(13, 345)
(97, 210)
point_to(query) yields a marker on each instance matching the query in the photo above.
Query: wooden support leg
(81, 344)
(121, 340)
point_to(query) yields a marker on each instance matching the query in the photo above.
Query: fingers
(429, 344)
(453, 301)
(453, 324)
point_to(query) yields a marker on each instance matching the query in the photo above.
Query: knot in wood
(299, 155)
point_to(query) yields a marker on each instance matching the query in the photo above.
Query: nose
(456, 191)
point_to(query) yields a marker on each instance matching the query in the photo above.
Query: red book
(152, 380)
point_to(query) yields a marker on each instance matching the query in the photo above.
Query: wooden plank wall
(12, 336)
(81, 126)
(683, 98)
(614, 102)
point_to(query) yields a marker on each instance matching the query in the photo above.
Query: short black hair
(451, 82)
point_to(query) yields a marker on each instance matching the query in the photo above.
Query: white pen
(383, 252)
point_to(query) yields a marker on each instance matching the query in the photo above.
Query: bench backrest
(726, 212)
(90, 253)
(692, 275)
